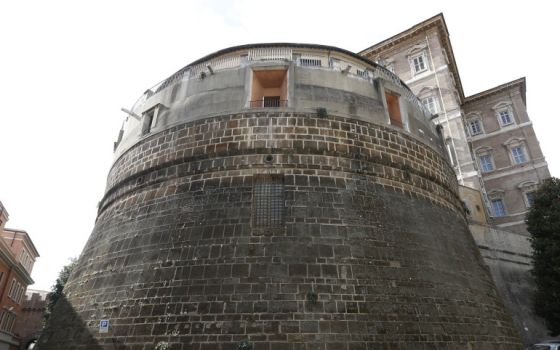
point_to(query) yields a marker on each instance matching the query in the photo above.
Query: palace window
(505, 118)
(529, 198)
(504, 113)
(498, 207)
(475, 127)
(430, 103)
(517, 150)
(418, 63)
(486, 163)
(518, 155)
(528, 190)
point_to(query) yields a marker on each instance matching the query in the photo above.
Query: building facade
(30, 323)
(489, 136)
(493, 148)
(17, 257)
(280, 196)
(507, 151)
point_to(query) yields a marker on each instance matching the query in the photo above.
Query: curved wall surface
(320, 221)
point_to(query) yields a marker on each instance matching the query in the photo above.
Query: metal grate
(268, 200)
(310, 62)
(267, 102)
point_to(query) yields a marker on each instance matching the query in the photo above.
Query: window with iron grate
(310, 62)
(268, 200)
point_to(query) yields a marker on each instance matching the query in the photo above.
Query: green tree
(543, 222)
(58, 287)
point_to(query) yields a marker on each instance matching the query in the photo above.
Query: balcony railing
(272, 103)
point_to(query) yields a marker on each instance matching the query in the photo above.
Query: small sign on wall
(104, 326)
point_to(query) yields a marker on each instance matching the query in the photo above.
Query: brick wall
(374, 251)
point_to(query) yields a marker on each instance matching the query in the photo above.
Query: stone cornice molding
(514, 84)
(437, 22)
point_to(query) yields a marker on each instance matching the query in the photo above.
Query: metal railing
(272, 53)
(279, 53)
(268, 103)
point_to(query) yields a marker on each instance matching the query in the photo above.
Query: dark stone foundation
(373, 251)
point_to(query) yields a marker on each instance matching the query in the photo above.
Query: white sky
(67, 67)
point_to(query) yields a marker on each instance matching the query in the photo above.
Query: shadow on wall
(66, 328)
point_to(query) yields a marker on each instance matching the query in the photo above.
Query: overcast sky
(67, 67)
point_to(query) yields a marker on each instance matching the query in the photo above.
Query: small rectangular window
(530, 198)
(394, 109)
(362, 73)
(505, 118)
(147, 121)
(418, 64)
(498, 207)
(268, 200)
(518, 155)
(310, 62)
(474, 127)
(430, 104)
(271, 101)
(486, 163)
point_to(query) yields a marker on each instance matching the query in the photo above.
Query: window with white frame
(517, 150)
(528, 190)
(430, 103)
(418, 63)
(498, 207)
(475, 127)
(504, 113)
(486, 162)
(505, 117)
(7, 319)
(518, 155)
(529, 198)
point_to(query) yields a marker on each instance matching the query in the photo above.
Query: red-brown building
(17, 256)
(30, 323)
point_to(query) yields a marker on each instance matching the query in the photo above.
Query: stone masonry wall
(373, 251)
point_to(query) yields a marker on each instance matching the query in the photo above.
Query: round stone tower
(280, 196)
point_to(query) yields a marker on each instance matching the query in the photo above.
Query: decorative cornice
(518, 83)
(438, 22)
(6, 255)
(26, 239)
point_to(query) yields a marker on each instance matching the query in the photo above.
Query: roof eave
(438, 21)
(521, 83)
